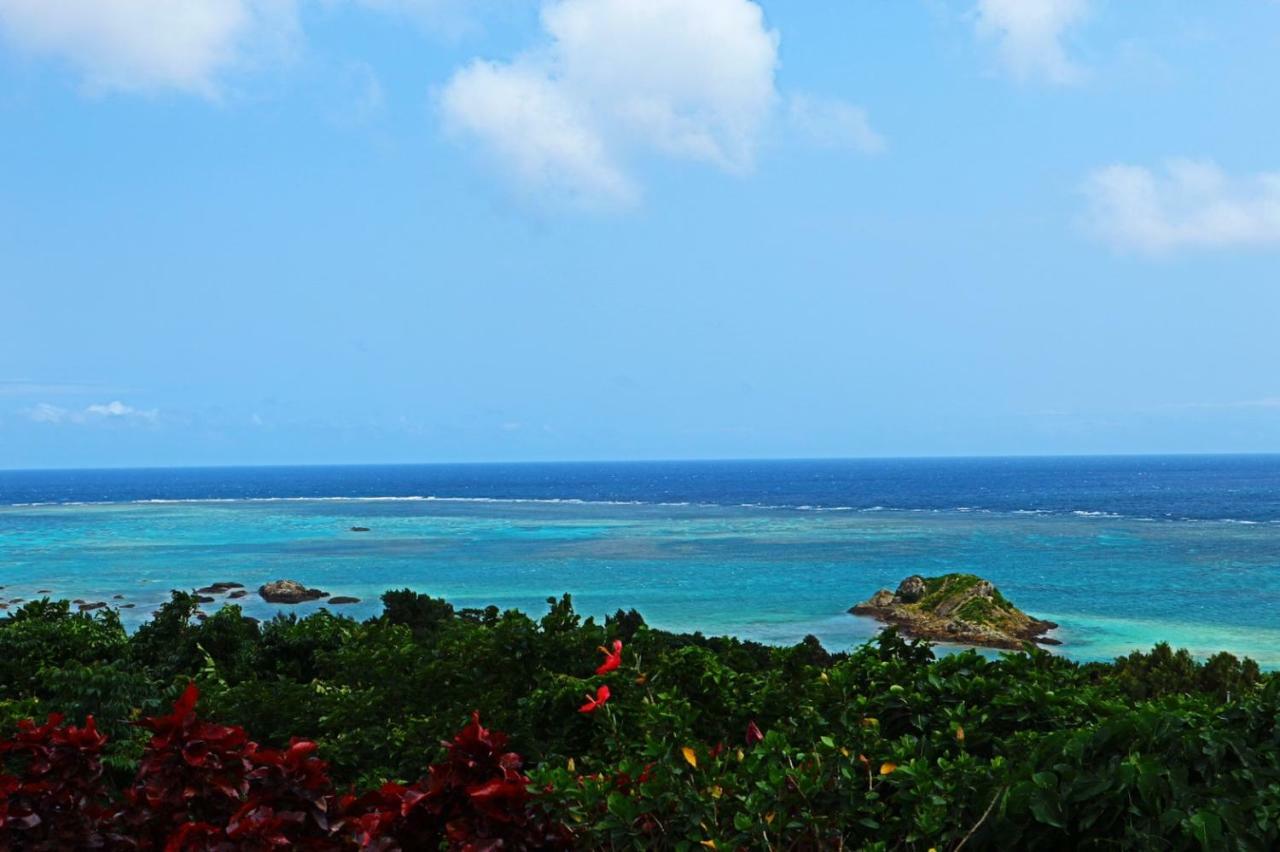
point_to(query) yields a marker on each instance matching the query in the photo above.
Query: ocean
(1122, 552)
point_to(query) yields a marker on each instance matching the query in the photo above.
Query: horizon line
(617, 461)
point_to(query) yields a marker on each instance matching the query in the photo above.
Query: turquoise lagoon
(770, 574)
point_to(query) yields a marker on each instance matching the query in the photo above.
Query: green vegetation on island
(960, 608)
(636, 738)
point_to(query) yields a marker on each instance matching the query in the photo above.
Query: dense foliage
(616, 735)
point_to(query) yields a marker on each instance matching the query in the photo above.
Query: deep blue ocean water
(1123, 552)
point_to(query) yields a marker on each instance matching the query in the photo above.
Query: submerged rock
(359, 529)
(86, 607)
(289, 592)
(338, 600)
(960, 608)
(238, 593)
(219, 588)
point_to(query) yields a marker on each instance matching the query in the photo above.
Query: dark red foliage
(203, 787)
(476, 800)
(754, 734)
(191, 772)
(56, 799)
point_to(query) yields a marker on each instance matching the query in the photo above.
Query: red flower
(602, 696)
(753, 733)
(611, 660)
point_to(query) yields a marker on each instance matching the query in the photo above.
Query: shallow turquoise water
(768, 574)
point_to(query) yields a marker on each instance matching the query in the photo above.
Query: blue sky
(293, 231)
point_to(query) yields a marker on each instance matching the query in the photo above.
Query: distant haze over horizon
(244, 233)
(552, 462)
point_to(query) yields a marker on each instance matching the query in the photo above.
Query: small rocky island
(289, 592)
(960, 608)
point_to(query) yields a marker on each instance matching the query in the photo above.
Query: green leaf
(1045, 780)
(1206, 826)
(1046, 813)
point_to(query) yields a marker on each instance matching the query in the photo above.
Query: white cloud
(833, 123)
(1192, 204)
(536, 130)
(1030, 35)
(689, 79)
(45, 413)
(119, 409)
(148, 44)
(115, 410)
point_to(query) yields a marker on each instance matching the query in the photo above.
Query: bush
(620, 735)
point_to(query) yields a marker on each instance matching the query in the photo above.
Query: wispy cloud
(1030, 35)
(1265, 403)
(115, 410)
(43, 412)
(24, 387)
(1190, 204)
(833, 123)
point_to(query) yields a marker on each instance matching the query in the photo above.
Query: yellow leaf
(716, 791)
(690, 756)
(710, 844)
(887, 768)
(571, 765)
(844, 751)
(868, 722)
(741, 756)
(959, 734)
(823, 677)
(768, 818)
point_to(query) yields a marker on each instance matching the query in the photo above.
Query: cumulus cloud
(536, 130)
(688, 79)
(1030, 35)
(148, 44)
(115, 410)
(834, 123)
(1191, 204)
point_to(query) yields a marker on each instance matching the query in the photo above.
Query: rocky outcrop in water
(289, 592)
(219, 588)
(959, 608)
